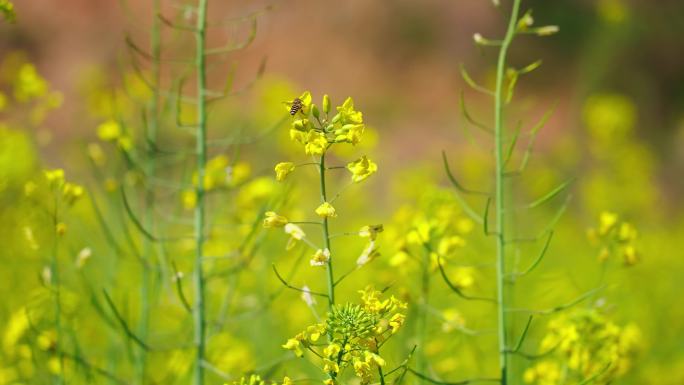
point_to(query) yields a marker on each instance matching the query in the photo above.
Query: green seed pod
(315, 112)
(326, 103)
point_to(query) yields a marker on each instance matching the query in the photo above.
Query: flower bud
(314, 110)
(326, 103)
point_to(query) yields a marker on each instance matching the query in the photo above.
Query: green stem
(326, 237)
(201, 147)
(54, 278)
(422, 316)
(502, 323)
(148, 247)
(382, 376)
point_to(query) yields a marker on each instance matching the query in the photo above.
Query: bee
(296, 106)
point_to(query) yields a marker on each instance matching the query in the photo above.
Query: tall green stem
(54, 278)
(326, 237)
(502, 323)
(148, 247)
(423, 316)
(201, 148)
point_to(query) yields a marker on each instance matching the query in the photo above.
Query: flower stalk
(326, 236)
(201, 148)
(499, 196)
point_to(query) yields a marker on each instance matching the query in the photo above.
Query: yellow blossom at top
(305, 100)
(346, 114)
(362, 168)
(326, 210)
(283, 169)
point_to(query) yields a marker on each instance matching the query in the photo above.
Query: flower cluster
(584, 344)
(615, 238)
(64, 194)
(317, 132)
(355, 333)
(69, 192)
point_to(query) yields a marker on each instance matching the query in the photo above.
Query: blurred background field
(614, 74)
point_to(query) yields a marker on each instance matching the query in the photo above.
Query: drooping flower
(371, 231)
(362, 168)
(307, 297)
(294, 345)
(369, 253)
(274, 220)
(296, 234)
(282, 170)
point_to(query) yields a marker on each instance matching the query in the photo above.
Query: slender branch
(469, 118)
(456, 289)
(455, 182)
(558, 308)
(469, 80)
(539, 258)
(462, 382)
(199, 322)
(289, 286)
(179, 288)
(122, 322)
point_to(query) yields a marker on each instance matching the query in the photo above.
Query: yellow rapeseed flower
(362, 168)
(274, 220)
(320, 258)
(326, 210)
(283, 169)
(315, 143)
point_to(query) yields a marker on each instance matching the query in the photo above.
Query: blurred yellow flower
(109, 130)
(272, 220)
